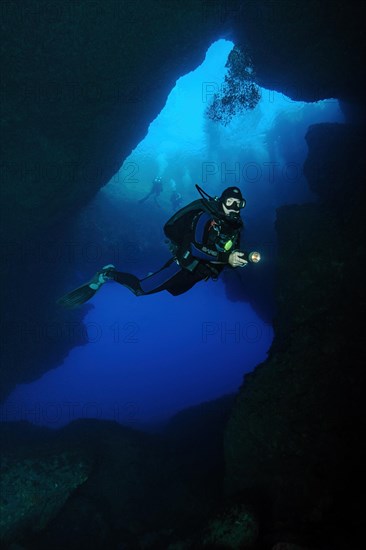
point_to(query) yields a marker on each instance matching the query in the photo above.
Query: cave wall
(81, 81)
(308, 50)
(293, 438)
(97, 484)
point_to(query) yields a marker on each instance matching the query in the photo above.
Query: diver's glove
(236, 259)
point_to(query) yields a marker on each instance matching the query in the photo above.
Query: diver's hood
(230, 220)
(214, 205)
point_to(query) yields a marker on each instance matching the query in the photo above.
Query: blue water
(148, 357)
(152, 356)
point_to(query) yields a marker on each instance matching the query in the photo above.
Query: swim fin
(86, 291)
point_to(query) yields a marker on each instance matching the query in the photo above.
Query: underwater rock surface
(37, 477)
(236, 528)
(294, 435)
(97, 484)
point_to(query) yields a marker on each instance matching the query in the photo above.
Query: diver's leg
(171, 277)
(129, 281)
(174, 280)
(182, 282)
(156, 282)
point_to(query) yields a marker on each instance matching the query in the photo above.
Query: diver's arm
(238, 258)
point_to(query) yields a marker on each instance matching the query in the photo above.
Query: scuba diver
(156, 189)
(204, 238)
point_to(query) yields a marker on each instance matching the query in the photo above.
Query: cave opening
(150, 357)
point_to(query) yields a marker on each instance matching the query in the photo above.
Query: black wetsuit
(192, 262)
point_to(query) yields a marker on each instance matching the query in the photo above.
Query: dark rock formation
(80, 84)
(236, 528)
(308, 50)
(37, 477)
(293, 440)
(96, 484)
